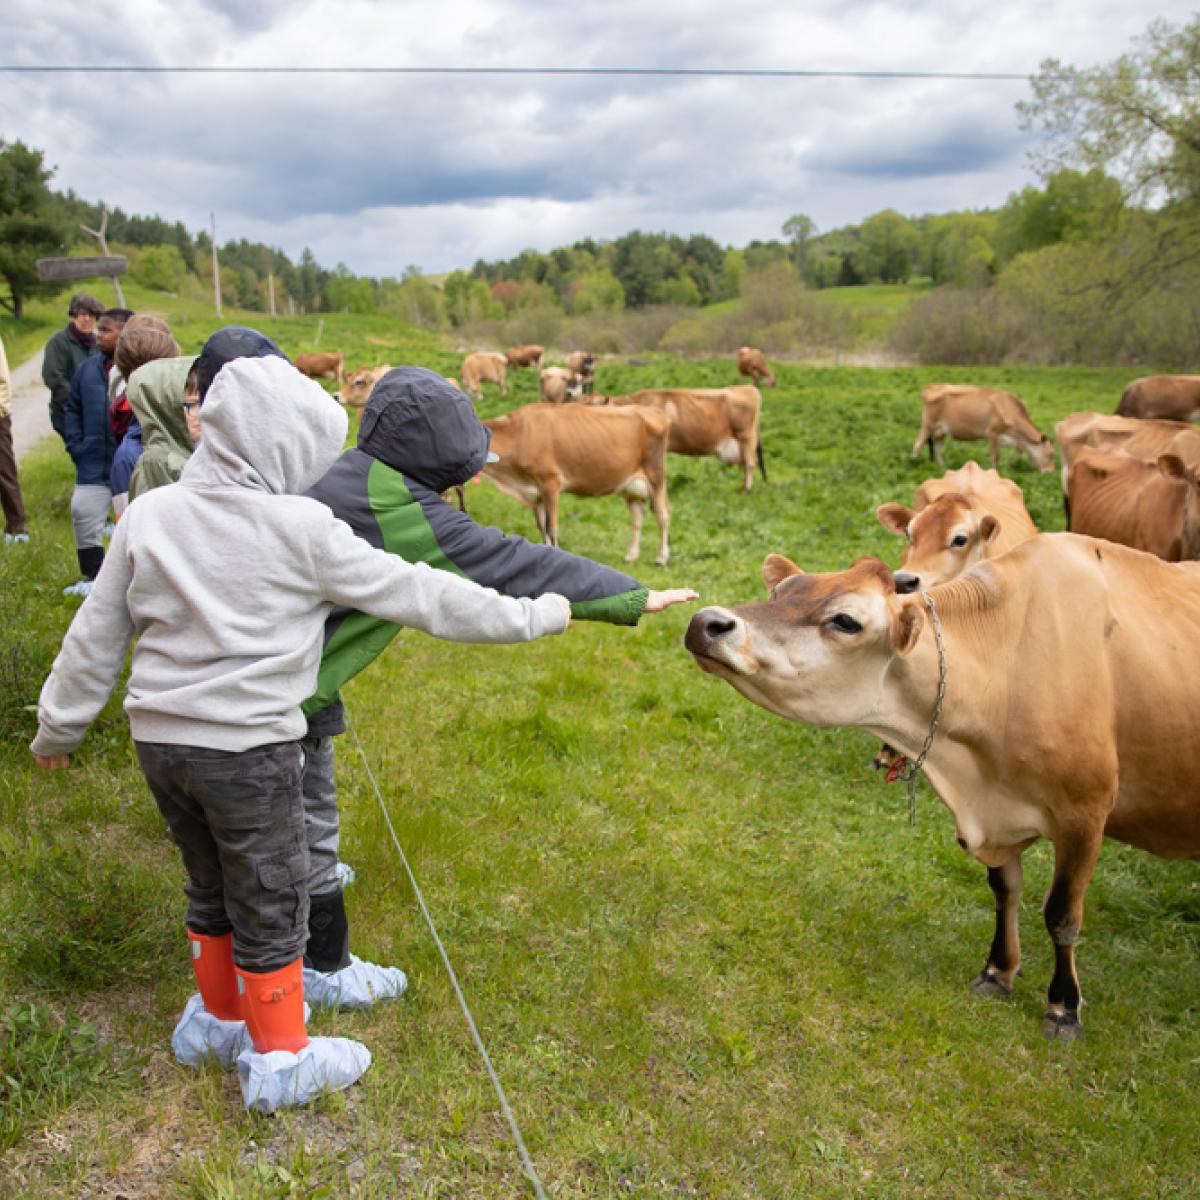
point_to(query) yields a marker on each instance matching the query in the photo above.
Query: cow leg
(762, 462)
(1004, 958)
(1074, 860)
(637, 517)
(547, 511)
(923, 439)
(662, 514)
(994, 446)
(747, 451)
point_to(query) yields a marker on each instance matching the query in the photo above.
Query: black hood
(424, 427)
(234, 341)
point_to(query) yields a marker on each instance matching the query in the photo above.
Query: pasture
(706, 951)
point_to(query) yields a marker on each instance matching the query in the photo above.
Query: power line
(647, 72)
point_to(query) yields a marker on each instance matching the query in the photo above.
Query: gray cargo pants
(320, 814)
(238, 820)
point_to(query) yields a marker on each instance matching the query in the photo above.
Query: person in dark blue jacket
(91, 444)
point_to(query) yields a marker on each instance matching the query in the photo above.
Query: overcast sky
(380, 172)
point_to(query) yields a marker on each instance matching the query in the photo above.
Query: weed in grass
(48, 1062)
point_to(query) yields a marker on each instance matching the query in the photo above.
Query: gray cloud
(381, 171)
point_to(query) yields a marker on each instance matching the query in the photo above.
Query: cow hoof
(988, 984)
(1062, 1027)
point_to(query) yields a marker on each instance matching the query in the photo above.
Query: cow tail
(762, 462)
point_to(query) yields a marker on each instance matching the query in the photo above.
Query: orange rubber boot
(273, 1007)
(212, 961)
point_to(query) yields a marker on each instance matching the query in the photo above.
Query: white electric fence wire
(505, 1108)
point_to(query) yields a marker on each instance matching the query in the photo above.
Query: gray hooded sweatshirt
(227, 578)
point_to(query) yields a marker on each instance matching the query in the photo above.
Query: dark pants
(238, 820)
(10, 485)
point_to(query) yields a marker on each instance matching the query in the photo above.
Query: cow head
(941, 541)
(1173, 467)
(817, 651)
(1042, 453)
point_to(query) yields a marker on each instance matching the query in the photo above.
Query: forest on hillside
(1099, 263)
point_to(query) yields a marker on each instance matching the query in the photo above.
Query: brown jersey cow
(1063, 716)
(721, 422)
(525, 356)
(546, 449)
(753, 363)
(484, 366)
(559, 385)
(965, 412)
(1169, 397)
(1149, 504)
(318, 366)
(359, 385)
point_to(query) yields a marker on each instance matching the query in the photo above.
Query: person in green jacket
(419, 436)
(66, 352)
(156, 396)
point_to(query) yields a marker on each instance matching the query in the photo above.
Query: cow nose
(706, 627)
(906, 582)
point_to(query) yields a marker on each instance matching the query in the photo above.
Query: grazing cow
(321, 366)
(525, 356)
(1169, 397)
(1126, 435)
(1151, 505)
(583, 364)
(955, 521)
(484, 366)
(545, 449)
(1063, 716)
(965, 412)
(560, 385)
(753, 363)
(722, 422)
(359, 385)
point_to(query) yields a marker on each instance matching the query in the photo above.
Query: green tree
(800, 230)
(160, 267)
(889, 244)
(31, 224)
(1073, 205)
(597, 291)
(1137, 117)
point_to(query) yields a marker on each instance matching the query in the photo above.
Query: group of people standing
(271, 570)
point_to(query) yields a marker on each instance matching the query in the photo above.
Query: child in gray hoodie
(227, 578)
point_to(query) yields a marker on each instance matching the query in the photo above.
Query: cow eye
(845, 622)
(958, 541)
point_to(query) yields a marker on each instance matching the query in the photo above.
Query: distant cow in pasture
(560, 385)
(721, 422)
(1071, 677)
(964, 412)
(546, 449)
(583, 364)
(753, 363)
(1151, 505)
(525, 356)
(484, 366)
(359, 385)
(1167, 397)
(321, 366)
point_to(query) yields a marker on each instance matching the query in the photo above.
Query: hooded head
(423, 426)
(233, 341)
(266, 427)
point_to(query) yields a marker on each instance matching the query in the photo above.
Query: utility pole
(216, 270)
(271, 290)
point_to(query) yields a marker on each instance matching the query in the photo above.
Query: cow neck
(907, 770)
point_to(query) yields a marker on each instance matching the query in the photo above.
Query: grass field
(706, 951)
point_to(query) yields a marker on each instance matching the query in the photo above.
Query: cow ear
(894, 518)
(1171, 465)
(906, 627)
(989, 527)
(776, 569)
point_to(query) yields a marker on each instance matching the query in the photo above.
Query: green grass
(707, 953)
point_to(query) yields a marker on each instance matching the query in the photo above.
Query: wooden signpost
(57, 270)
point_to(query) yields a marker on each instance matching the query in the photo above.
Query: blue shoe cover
(345, 875)
(359, 985)
(280, 1079)
(200, 1036)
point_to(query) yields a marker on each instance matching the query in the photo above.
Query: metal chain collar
(910, 771)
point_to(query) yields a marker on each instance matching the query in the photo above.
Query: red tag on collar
(895, 770)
